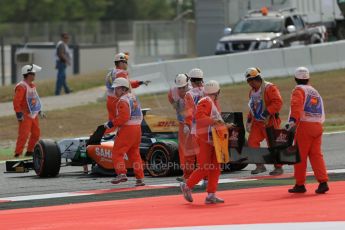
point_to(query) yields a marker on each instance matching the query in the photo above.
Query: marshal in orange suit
(127, 121)
(27, 105)
(207, 115)
(176, 98)
(120, 70)
(264, 104)
(307, 115)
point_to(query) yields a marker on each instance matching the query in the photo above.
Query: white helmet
(121, 57)
(181, 80)
(196, 73)
(252, 72)
(31, 69)
(211, 87)
(120, 81)
(302, 73)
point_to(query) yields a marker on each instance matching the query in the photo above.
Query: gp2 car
(158, 150)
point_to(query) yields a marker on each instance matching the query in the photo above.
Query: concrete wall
(230, 68)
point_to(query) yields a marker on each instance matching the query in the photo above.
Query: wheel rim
(37, 160)
(159, 162)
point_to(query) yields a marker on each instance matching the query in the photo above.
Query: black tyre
(161, 159)
(316, 39)
(47, 158)
(231, 167)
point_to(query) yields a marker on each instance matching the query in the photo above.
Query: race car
(158, 150)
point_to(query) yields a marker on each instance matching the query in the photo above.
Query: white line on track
(336, 225)
(43, 196)
(221, 181)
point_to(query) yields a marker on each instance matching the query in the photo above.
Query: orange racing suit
(27, 102)
(191, 151)
(111, 98)
(268, 99)
(308, 112)
(176, 98)
(128, 120)
(207, 112)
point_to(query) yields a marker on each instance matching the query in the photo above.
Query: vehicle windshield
(258, 26)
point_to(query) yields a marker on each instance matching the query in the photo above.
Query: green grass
(83, 120)
(6, 153)
(47, 87)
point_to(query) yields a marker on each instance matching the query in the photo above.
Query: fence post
(13, 64)
(2, 61)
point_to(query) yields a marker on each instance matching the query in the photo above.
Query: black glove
(20, 116)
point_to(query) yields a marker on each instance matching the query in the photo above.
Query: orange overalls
(128, 119)
(308, 113)
(191, 99)
(26, 101)
(207, 112)
(272, 102)
(111, 98)
(176, 96)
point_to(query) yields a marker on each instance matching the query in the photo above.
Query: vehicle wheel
(47, 158)
(231, 167)
(161, 159)
(315, 39)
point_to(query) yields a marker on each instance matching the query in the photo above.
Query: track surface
(98, 201)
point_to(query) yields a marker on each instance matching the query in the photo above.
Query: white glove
(248, 126)
(108, 125)
(186, 129)
(290, 125)
(42, 115)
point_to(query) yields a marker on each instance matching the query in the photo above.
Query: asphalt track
(87, 188)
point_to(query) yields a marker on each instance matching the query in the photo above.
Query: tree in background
(90, 10)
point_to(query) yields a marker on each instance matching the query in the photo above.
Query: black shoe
(322, 189)
(16, 155)
(29, 154)
(297, 189)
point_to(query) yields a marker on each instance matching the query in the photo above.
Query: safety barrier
(324, 57)
(230, 68)
(297, 56)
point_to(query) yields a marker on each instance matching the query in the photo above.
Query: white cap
(121, 57)
(181, 80)
(302, 73)
(31, 69)
(120, 81)
(211, 87)
(196, 73)
(252, 72)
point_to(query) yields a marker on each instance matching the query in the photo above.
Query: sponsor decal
(167, 123)
(234, 136)
(281, 138)
(106, 153)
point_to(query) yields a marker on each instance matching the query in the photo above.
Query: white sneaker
(119, 178)
(180, 179)
(259, 169)
(187, 193)
(213, 200)
(277, 171)
(139, 182)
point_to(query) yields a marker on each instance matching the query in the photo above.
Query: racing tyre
(161, 159)
(47, 158)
